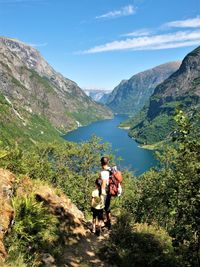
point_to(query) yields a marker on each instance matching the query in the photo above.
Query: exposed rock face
(70, 216)
(131, 95)
(181, 89)
(32, 87)
(6, 211)
(183, 83)
(104, 98)
(100, 96)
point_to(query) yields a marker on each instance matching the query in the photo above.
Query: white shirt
(98, 202)
(105, 176)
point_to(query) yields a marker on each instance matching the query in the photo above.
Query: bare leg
(108, 216)
(94, 225)
(108, 219)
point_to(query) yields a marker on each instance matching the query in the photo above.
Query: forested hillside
(180, 91)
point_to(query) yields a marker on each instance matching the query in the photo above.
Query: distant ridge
(131, 95)
(181, 90)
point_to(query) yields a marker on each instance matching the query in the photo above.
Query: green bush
(34, 231)
(170, 196)
(69, 166)
(139, 245)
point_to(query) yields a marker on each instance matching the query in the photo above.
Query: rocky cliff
(180, 90)
(36, 94)
(131, 95)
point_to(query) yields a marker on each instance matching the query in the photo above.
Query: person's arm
(93, 199)
(92, 202)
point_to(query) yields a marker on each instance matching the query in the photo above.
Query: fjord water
(134, 158)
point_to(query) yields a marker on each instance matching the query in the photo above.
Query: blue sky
(97, 43)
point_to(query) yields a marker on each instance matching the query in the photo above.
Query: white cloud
(124, 11)
(188, 23)
(154, 42)
(138, 33)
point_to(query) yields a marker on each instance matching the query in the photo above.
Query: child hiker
(97, 207)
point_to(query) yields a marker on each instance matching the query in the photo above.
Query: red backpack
(115, 180)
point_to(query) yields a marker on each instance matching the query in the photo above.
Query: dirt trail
(85, 252)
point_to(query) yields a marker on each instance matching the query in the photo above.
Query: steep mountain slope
(104, 98)
(35, 95)
(98, 95)
(131, 95)
(181, 89)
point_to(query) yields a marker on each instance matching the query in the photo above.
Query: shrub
(34, 231)
(139, 245)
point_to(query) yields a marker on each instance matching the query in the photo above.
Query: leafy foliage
(149, 130)
(139, 245)
(34, 231)
(69, 166)
(170, 196)
(165, 201)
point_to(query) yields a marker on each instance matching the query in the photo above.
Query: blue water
(134, 158)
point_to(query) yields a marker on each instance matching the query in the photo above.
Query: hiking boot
(98, 232)
(108, 224)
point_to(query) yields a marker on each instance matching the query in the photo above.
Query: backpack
(115, 180)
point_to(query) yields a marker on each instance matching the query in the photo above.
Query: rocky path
(85, 253)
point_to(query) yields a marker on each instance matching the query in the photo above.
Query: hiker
(97, 207)
(104, 175)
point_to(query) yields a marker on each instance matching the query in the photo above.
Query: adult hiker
(104, 175)
(97, 207)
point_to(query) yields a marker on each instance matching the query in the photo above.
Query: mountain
(181, 90)
(100, 96)
(131, 95)
(104, 98)
(37, 101)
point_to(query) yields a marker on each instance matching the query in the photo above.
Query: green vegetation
(41, 81)
(153, 131)
(87, 116)
(34, 231)
(139, 245)
(135, 120)
(157, 217)
(169, 197)
(5, 66)
(33, 128)
(150, 131)
(16, 82)
(156, 146)
(66, 165)
(196, 81)
(69, 167)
